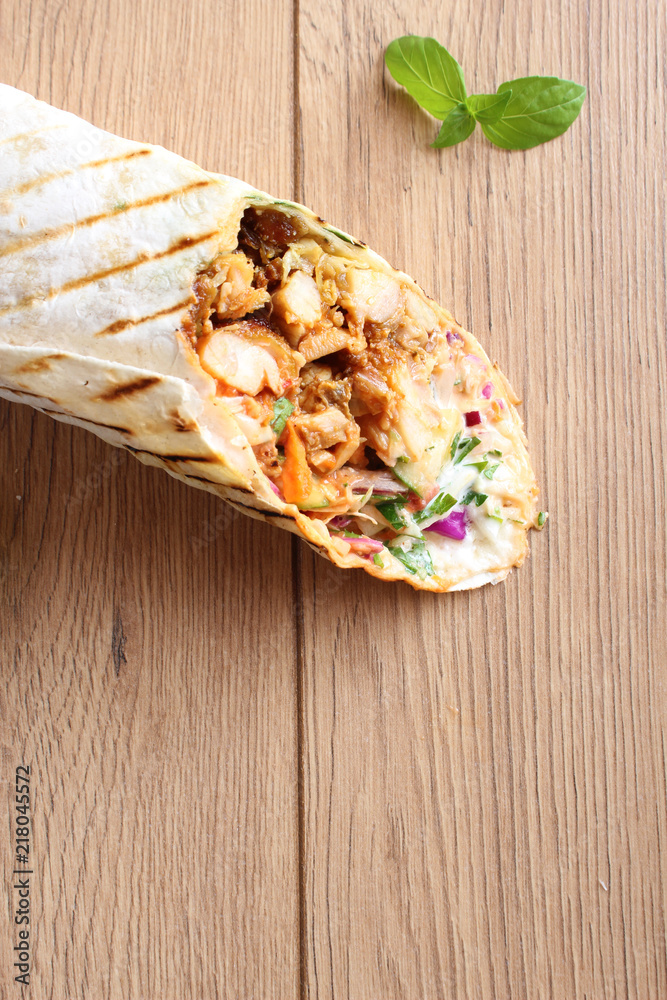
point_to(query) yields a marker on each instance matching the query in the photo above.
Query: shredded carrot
(297, 477)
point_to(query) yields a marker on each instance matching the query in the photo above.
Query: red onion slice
(453, 526)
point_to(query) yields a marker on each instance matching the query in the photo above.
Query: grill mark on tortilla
(116, 391)
(182, 424)
(62, 412)
(69, 228)
(38, 364)
(186, 458)
(100, 423)
(123, 324)
(46, 178)
(183, 244)
(260, 510)
(29, 135)
(178, 458)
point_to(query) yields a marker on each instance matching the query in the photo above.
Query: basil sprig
(522, 113)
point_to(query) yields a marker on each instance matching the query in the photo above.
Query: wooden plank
(483, 774)
(160, 731)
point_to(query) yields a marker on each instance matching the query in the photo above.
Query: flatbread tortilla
(252, 350)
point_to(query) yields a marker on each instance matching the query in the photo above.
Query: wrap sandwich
(252, 350)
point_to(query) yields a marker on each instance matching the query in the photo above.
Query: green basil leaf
(282, 410)
(540, 108)
(428, 73)
(415, 559)
(488, 108)
(457, 126)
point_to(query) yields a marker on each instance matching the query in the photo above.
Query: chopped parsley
(416, 559)
(438, 506)
(282, 410)
(476, 498)
(480, 466)
(461, 448)
(392, 513)
(490, 472)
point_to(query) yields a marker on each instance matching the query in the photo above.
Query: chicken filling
(344, 381)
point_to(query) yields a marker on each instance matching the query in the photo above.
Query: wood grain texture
(484, 775)
(255, 787)
(161, 733)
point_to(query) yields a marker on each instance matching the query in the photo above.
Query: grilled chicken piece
(249, 356)
(330, 438)
(370, 297)
(236, 296)
(328, 339)
(297, 306)
(319, 390)
(370, 390)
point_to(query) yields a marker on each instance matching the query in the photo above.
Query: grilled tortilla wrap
(252, 350)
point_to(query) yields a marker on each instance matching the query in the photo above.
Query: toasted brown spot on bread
(123, 324)
(91, 220)
(42, 364)
(116, 391)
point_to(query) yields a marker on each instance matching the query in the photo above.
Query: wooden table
(255, 776)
